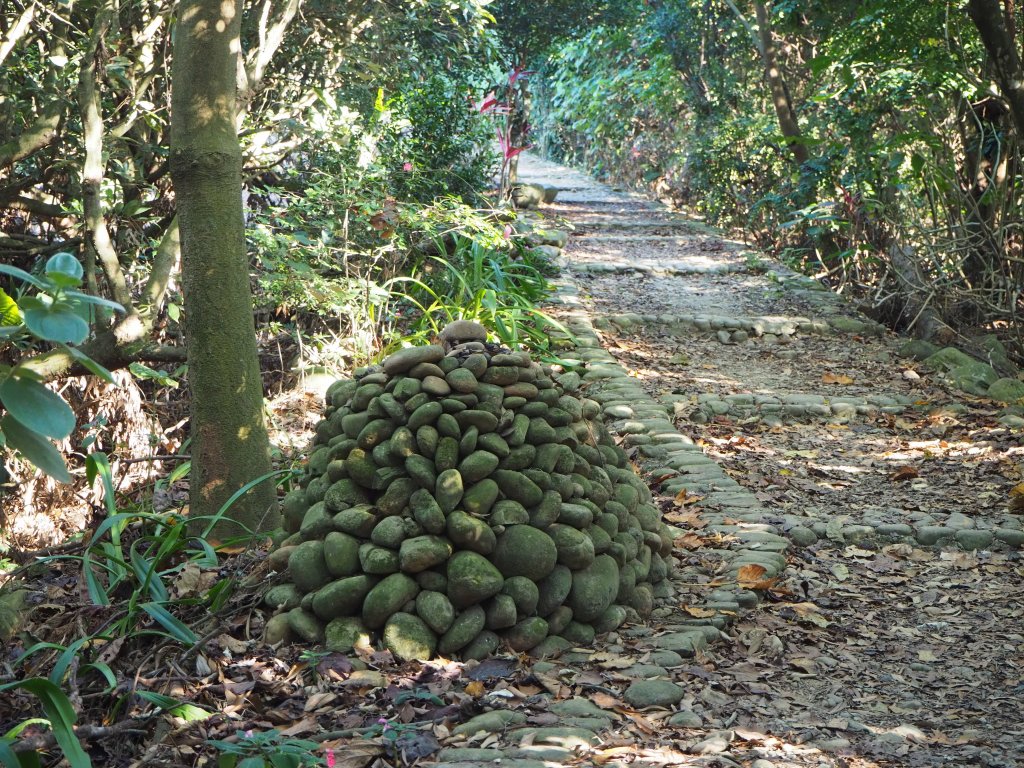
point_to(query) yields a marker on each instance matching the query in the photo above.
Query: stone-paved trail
(849, 588)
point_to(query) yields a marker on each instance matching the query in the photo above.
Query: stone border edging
(644, 423)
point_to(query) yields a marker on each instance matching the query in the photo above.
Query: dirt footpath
(849, 582)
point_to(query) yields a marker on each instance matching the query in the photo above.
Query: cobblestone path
(848, 584)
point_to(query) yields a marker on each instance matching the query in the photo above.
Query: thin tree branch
(98, 243)
(17, 31)
(167, 255)
(747, 26)
(270, 39)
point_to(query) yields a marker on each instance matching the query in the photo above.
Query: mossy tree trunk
(229, 439)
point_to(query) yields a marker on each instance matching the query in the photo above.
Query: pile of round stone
(457, 502)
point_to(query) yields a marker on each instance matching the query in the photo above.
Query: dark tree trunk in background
(777, 85)
(998, 38)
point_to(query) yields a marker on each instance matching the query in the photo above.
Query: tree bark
(98, 247)
(999, 41)
(922, 318)
(788, 124)
(229, 439)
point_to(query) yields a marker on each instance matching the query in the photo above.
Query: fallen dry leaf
(1017, 498)
(807, 613)
(685, 498)
(904, 473)
(356, 753)
(836, 378)
(689, 541)
(754, 576)
(699, 613)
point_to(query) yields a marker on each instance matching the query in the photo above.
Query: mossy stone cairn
(458, 498)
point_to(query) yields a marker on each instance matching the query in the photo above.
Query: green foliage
(60, 716)
(498, 288)
(58, 313)
(435, 144)
(265, 749)
(148, 580)
(608, 100)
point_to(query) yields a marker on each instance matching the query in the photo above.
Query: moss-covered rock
(485, 644)
(343, 597)
(307, 566)
(480, 498)
(501, 612)
(422, 552)
(526, 633)
(472, 533)
(593, 588)
(456, 498)
(524, 593)
(1010, 391)
(575, 548)
(404, 359)
(408, 637)
(343, 634)
(464, 629)
(436, 610)
(388, 597)
(525, 551)
(471, 579)
(553, 590)
(282, 597)
(305, 625)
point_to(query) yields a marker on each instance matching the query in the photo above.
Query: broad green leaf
(35, 448)
(68, 655)
(106, 671)
(21, 274)
(182, 709)
(98, 465)
(90, 364)
(86, 298)
(38, 408)
(7, 757)
(15, 732)
(57, 323)
(64, 270)
(190, 713)
(94, 585)
(9, 312)
(159, 700)
(145, 372)
(145, 574)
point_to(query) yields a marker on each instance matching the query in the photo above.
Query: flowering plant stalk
(511, 127)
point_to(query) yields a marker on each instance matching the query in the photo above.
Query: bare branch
(19, 29)
(167, 255)
(98, 244)
(270, 39)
